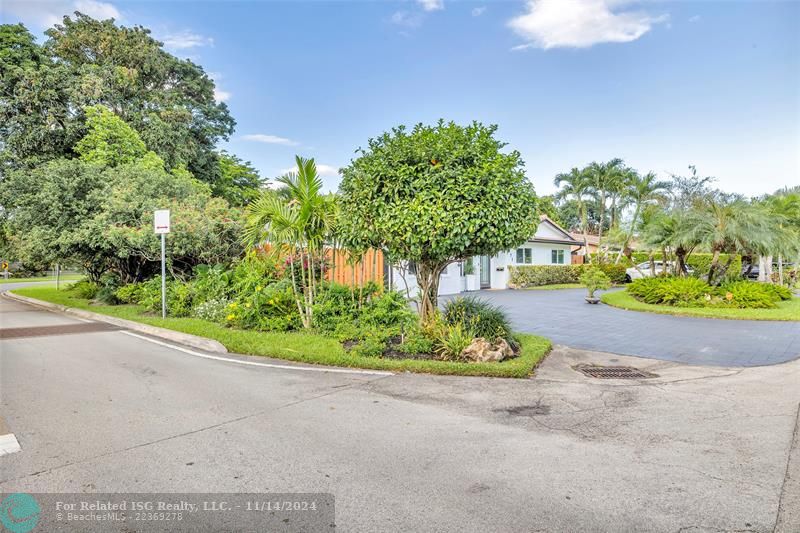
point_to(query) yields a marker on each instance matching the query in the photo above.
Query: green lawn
(554, 286)
(787, 310)
(65, 277)
(304, 347)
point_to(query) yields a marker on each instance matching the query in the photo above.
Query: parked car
(642, 270)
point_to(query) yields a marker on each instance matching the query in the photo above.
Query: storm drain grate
(65, 329)
(614, 372)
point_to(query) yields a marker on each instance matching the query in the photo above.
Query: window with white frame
(524, 256)
(557, 257)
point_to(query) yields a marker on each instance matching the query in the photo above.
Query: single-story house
(550, 245)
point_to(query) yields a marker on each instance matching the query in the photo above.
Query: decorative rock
(482, 351)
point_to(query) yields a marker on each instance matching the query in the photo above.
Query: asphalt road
(697, 449)
(563, 316)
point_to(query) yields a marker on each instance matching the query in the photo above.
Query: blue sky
(661, 84)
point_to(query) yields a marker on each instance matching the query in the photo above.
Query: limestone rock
(483, 351)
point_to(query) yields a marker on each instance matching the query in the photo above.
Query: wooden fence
(341, 269)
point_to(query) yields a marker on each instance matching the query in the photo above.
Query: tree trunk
(713, 267)
(629, 236)
(652, 260)
(584, 224)
(680, 260)
(724, 270)
(428, 281)
(600, 227)
(780, 268)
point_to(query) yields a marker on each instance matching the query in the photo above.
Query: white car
(642, 270)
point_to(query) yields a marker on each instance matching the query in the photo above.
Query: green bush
(415, 343)
(595, 279)
(269, 307)
(750, 295)
(523, 276)
(781, 292)
(681, 292)
(694, 292)
(212, 310)
(84, 289)
(478, 316)
(536, 275)
(370, 345)
(213, 283)
(451, 340)
(107, 289)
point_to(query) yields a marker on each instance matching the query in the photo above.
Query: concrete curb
(200, 343)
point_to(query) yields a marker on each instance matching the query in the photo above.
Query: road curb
(200, 343)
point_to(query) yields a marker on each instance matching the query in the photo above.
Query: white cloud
(406, 19)
(580, 23)
(269, 139)
(98, 10)
(695, 18)
(220, 95)
(431, 5)
(478, 11)
(186, 39)
(47, 14)
(328, 171)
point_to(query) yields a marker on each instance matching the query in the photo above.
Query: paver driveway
(564, 317)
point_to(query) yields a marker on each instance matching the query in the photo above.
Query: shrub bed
(309, 347)
(537, 275)
(256, 294)
(693, 292)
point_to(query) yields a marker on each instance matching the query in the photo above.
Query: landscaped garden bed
(306, 347)
(741, 300)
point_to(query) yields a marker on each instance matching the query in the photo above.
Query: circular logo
(19, 512)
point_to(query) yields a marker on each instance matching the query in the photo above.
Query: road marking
(254, 363)
(8, 444)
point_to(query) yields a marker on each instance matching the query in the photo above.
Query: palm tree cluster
(606, 190)
(683, 215)
(295, 222)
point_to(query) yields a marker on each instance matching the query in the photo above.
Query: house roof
(590, 239)
(561, 236)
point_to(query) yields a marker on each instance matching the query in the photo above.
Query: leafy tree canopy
(110, 141)
(85, 62)
(238, 181)
(434, 195)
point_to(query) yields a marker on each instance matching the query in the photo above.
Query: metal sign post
(161, 227)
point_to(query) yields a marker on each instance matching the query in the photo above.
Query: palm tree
(297, 227)
(726, 224)
(641, 190)
(784, 207)
(575, 186)
(604, 177)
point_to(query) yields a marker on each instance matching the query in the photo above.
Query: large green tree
(86, 62)
(435, 195)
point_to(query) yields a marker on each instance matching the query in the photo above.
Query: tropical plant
(575, 185)
(642, 190)
(296, 229)
(479, 316)
(726, 224)
(595, 279)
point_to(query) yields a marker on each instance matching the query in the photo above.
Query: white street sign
(161, 221)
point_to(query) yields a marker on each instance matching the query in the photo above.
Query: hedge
(699, 261)
(537, 275)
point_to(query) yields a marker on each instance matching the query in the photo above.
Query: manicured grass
(65, 277)
(786, 310)
(555, 286)
(304, 347)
